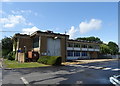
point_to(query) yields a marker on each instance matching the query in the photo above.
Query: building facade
(55, 44)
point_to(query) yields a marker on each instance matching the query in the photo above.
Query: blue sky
(79, 19)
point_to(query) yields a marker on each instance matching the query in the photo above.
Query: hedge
(11, 55)
(50, 60)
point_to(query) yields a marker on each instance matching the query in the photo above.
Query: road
(91, 73)
(0, 72)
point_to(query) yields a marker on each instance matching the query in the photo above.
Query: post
(65, 47)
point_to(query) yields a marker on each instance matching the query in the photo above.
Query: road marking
(91, 67)
(117, 69)
(98, 67)
(25, 81)
(106, 68)
(94, 67)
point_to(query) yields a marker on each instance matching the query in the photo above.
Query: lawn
(16, 64)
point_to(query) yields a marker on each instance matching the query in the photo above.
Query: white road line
(98, 67)
(117, 69)
(106, 68)
(91, 67)
(24, 81)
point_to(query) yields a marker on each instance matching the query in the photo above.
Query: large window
(35, 42)
(84, 53)
(76, 53)
(70, 53)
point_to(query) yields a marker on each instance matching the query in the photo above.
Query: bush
(11, 55)
(104, 57)
(50, 60)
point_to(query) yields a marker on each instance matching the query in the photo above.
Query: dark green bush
(104, 57)
(11, 55)
(50, 60)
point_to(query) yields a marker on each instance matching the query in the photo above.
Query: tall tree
(104, 49)
(7, 46)
(114, 48)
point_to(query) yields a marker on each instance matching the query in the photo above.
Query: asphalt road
(0, 72)
(92, 73)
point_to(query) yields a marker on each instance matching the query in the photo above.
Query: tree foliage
(7, 46)
(92, 38)
(114, 48)
(104, 49)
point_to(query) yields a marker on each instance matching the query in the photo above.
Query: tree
(114, 48)
(104, 49)
(7, 46)
(92, 38)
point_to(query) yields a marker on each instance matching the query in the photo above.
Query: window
(70, 44)
(35, 42)
(90, 46)
(76, 53)
(76, 45)
(69, 53)
(84, 46)
(96, 47)
(84, 53)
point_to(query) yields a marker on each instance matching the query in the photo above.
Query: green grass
(16, 64)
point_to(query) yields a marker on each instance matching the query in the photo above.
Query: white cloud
(93, 24)
(72, 32)
(2, 12)
(9, 25)
(6, 0)
(13, 20)
(29, 30)
(21, 11)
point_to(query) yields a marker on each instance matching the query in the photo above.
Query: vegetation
(50, 60)
(104, 49)
(16, 64)
(110, 48)
(7, 46)
(92, 38)
(114, 48)
(11, 55)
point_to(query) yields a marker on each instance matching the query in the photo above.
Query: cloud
(29, 30)
(2, 12)
(93, 24)
(13, 20)
(20, 11)
(6, 0)
(9, 25)
(72, 32)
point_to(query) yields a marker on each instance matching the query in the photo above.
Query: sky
(78, 19)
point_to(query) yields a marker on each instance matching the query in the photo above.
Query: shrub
(11, 55)
(50, 60)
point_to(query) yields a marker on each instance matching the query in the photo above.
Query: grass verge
(16, 64)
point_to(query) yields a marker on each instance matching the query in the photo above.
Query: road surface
(91, 73)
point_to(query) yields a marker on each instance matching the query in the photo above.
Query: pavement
(89, 73)
(87, 61)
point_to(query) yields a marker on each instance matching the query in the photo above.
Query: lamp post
(25, 52)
